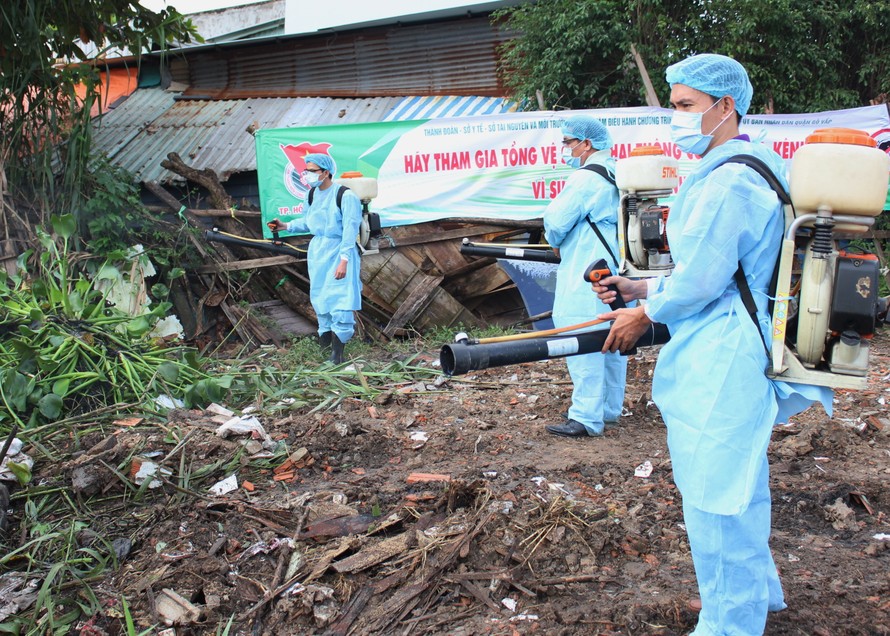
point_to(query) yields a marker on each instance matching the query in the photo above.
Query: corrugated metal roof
(446, 68)
(455, 57)
(150, 124)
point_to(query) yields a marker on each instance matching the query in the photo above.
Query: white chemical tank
(365, 188)
(646, 169)
(842, 170)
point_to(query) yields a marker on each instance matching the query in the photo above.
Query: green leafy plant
(67, 349)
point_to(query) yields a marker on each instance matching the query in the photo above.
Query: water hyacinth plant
(64, 349)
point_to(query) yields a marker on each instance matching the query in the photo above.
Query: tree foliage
(802, 56)
(48, 85)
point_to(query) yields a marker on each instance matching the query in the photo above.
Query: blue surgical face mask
(571, 162)
(312, 178)
(686, 131)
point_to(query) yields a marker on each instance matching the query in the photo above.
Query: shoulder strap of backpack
(764, 171)
(601, 171)
(744, 290)
(340, 192)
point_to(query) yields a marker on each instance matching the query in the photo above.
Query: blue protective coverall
(598, 379)
(711, 387)
(334, 232)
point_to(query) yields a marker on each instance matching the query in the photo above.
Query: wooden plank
(479, 282)
(420, 297)
(446, 256)
(374, 554)
(444, 310)
(254, 263)
(392, 280)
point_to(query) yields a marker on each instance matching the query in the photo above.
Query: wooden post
(651, 97)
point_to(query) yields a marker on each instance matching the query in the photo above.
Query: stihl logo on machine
(293, 173)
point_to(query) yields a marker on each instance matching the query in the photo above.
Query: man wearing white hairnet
(709, 382)
(587, 200)
(335, 284)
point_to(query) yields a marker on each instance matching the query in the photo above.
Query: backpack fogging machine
(642, 178)
(365, 188)
(826, 305)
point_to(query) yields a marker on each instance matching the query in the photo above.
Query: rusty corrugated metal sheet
(447, 68)
(457, 57)
(150, 124)
(115, 130)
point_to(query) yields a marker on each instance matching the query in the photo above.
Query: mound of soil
(445, 508)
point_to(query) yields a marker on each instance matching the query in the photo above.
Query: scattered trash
(246, 425)
(490, 474)
(320, 599)
(16, 465)
(265, 548)
(882, 536)
(225, 486)
(221, 414)
(167, 402)
(644, 469)
(142, 469)
(421, 437)
(173, 609)
(342, 428)
(18, 592)
(559, 489)
(509, 603)
(217, 409)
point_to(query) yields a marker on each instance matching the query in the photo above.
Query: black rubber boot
(324, 340)
(336, 350)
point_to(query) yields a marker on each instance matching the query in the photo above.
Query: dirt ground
(445, 508)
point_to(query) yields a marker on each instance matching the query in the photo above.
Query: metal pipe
(268, 246)
(462, 356)
(513, 253)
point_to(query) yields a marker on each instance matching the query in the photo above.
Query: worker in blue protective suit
(709, 383)
(587, 200)
(335, 285)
